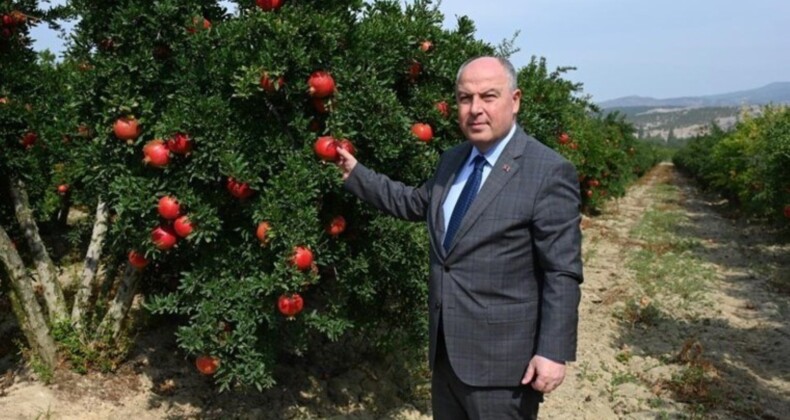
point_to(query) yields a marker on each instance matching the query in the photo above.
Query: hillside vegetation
(682, 123)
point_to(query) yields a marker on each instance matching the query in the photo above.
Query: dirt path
(719, 351)
(680, 318)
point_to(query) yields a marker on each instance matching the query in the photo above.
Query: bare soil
(722, 355)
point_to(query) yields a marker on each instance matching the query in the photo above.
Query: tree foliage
(235, 87)
(749, 164)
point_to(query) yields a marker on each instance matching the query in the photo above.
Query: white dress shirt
(491, 157)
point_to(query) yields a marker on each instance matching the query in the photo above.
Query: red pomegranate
(414, 70)
(126, 128)
(180, 143)
(238, 189)
(290, 305)
(156, 153)
(164, 237)
(443, 108)
(270, 86)
(320, 106)
(262, 232)
(269, 5)
(137, 260)
(183, 226)
(29, 139)
(207, 365)
(302, 258)
(336, 226)
(196, 24)
(325, 147)
(426, 46)
(320, 84)
(422, 131)
(168, 207)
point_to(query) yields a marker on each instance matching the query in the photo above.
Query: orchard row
(749, 164)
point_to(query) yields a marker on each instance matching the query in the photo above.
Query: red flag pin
(506, 167)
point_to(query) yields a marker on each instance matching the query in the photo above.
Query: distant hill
(774, 93)
(670, 123)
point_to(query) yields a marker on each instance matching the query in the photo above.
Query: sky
(661, 49)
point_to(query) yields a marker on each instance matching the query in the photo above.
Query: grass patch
(681, 276)
(671, 283)
(665, 268)
(639, 312)
(697, 382)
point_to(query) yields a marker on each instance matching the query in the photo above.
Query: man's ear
(516, 100)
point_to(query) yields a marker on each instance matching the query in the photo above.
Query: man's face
(486, 105)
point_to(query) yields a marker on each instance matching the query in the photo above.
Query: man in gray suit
(503, 218)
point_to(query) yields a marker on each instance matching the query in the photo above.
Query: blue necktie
(465, 200)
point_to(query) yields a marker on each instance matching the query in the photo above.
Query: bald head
(507, 66)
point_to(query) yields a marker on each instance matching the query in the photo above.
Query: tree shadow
(744, 349)
(336, 383)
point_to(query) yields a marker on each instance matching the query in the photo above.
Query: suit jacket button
(437, 305)
(446, 268)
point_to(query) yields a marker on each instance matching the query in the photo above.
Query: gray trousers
(452, 399)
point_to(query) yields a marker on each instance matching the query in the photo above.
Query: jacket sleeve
(557, 240)
(392, 197)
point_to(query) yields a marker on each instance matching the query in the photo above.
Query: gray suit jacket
(508, 287)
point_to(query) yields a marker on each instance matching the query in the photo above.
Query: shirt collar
(493, 153)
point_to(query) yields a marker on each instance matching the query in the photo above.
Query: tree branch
(90, 267)
(28, 311)
(53, 294)
(110, 326)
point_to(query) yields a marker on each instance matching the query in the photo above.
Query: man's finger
(529, 375)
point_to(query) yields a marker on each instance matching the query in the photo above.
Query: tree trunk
(110, 326)
(53, 294)
(62, 215)
(90, 267)
(28, 311)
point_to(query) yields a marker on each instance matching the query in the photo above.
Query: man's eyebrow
(485, 92)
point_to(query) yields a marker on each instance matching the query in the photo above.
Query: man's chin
(477, 133)
(479, 137)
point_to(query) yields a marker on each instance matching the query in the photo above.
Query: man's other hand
(545, 375)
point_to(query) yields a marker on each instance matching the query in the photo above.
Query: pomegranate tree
(228, 120)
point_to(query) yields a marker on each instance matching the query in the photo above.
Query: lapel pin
(506, 167)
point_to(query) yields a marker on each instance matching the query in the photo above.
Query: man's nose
(476, 105)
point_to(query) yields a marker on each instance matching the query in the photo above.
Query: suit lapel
(444, 180)
(501, 172)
